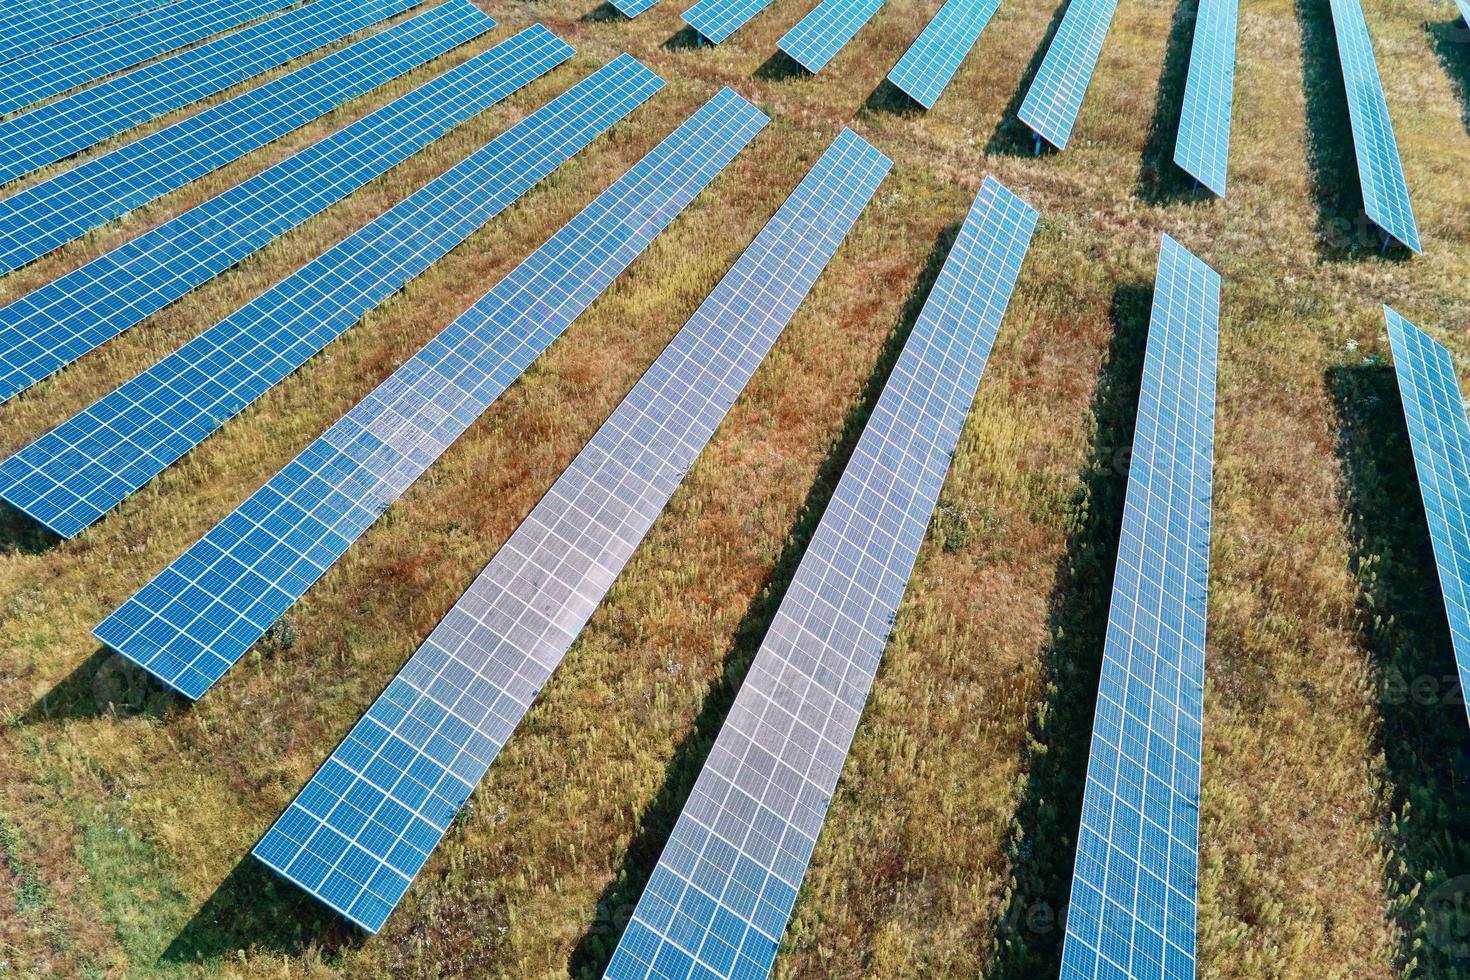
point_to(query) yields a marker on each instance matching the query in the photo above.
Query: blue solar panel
(817, 37)
(715, 20)
(46, 24)
(58, 129)
(1434, 411)
(51, 213)
(78, 471)
(188, 625)
(64, 319)
(631, 8)
(931, 61)
(722, 892)
(1381, 172)
(442, 721)
(1132, 912)
(88, 58)
(1203, 147)
(1055, 96)
(1464, 11)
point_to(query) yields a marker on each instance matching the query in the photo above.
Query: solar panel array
(195, 619)
(1434, 411)
(69, 316)
(1055, 96)
(817, 37)
(931, 61)
(1380, 171)
(58, 129)
(441, 722)
(53, 70)
(1134, 889)
(1203, 145)
(723, 890)
(78, 471)
(51, 213)
(40, 27)
(716, 20)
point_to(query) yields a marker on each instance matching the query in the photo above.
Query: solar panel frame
(1135, 884)
(190, 623)
(927, 67)
(1056, 93)
(1202, 147)
(816, 38)
(72, 315)
(1380, 168)
(473, 680)
(58, 129)
(724, 887)
(716, 20)
(40, 27)
(1439, 436)
(46, 215)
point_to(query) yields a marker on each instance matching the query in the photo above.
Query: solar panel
(1464, 11)
(51, 213)
(715, 20)
(58, 129)
(1203, 147)
(631, 8)
(931, 61)
(1381, 172)
(441, 722)
(1434, 411)
(53, 70)
(722, 892)
(1132, 911)
(78, 471)
(196, 618)
(1055, 96)
(69, 316)
(817, 37)
(44, 25)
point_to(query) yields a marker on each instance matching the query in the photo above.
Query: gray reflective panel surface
(1203, 145)
(818, 36)
(1134, 889)
(1055, 96)
(931, 61)
(31, 29)
(189, 624)
(51, 213)
(722, 892)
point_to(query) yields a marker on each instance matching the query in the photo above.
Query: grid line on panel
(1134, 888)
(190, 624)
(1202, 148)
(817, 37)
(934, 57)
(1380, 169)
(53, 70)
(51, 213)
(1434, 414)
(481, 668)
(70, 316)
(724, 887)
(29, 31)
(716, 20)
(77, 472)
(58, 129)
(1055, 96)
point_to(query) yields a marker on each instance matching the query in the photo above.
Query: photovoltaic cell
(1055, 96)
(192, 622)
(85, 59)
(1434, 411)
(817, 37)
(1134, 889)
(715, 20)
(1203, 146)
(78, 471)
(1381, 172)
(58, 129)
(61, 20)
(51, 213)
(69, 316)
(931, 61)
(441, 722)
(723, 890)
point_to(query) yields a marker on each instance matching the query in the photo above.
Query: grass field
(1336, 794)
